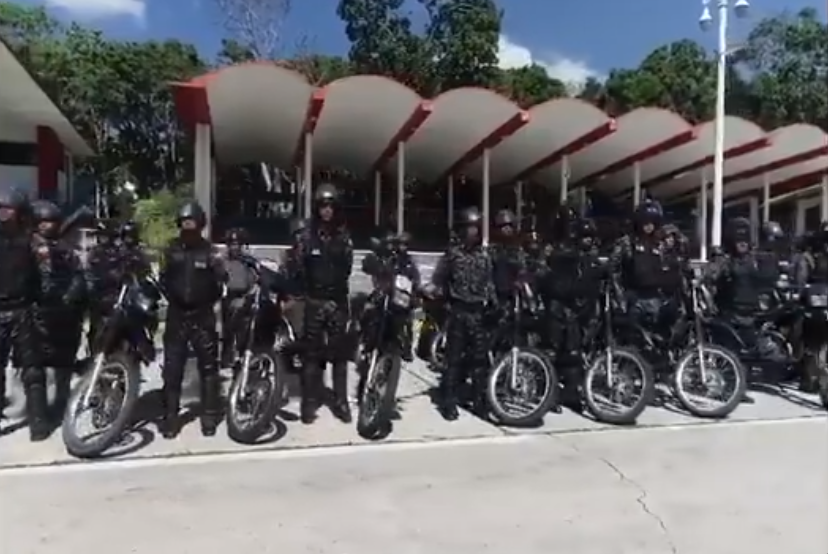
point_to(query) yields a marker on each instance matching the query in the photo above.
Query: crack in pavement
(641, 499)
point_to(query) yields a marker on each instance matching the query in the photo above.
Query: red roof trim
(735, 152)
(192, 104)
(415, 120)
(587, 139)
(316, 103)
(659, 148)
(798, 182)
(778, 164)
(507, 129)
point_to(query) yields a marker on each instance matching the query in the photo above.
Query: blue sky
(572, 38)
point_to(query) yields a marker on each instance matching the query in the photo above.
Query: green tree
(530, 85)
(679, 77)
(787, 59)
(464, 41)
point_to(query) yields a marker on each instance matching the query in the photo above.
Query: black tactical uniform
(508, 257)
(192, 275)
(571, 292)
(389, 259)
(465, 276)
(104, 273)
(133, 258)
(811, 268)
(641, 263)
(59, 309)
(19, 290)
(323, 259)
(240, 280)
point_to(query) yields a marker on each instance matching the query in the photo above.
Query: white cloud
(572, 72)
(101, 9)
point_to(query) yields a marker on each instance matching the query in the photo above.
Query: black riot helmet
(297, 226)
(326, 193)
(12, 203)
(648, 212)
(562, 223)
(45, 210)
(738, 232)
(504, 218)
(130, 233)
(192, 211)
(772, 232)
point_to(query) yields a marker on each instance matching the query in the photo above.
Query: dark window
(18, 153)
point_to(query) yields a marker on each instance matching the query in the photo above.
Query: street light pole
(740, 7)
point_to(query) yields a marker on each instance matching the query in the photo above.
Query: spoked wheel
(618, 386)
(378, 395)
(438, 351)
(253, 402)
(522, 387)
(108, 397)
(710, 381)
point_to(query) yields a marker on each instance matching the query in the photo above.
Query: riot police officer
(465, 274)
(192, 275)
(639, 261)
(104, 273)
(811, 269)
(59, 308)
(133, 257)
(19, 290)
(323, 261)
(508, 257)
(240, 280)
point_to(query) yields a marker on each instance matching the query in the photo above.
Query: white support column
(753, 207)
(377, 198)
(823, 204)
(636, 184)
(701, 221)
(799, 222)
(766, 204)
(307, 173)
(450, 203)
(204, 173)
(519, 204)
(487, 159)
(583, 201)
(401, 188)
(565, 174)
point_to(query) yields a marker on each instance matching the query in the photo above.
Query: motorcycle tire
(735, 399)
(377, 407)
(630, 414)
(130, 371)
(549, 397)
(822, 372)
(268, 369)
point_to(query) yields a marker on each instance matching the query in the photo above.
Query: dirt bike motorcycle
(814, 299)
(431, 338)
(522, 384)
(383, 337)
(111, 385)
(264, 337)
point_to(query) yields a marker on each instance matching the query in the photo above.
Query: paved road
(725, 489)
(419, 423)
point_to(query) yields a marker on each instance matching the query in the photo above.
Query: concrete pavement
(419, 422)
(721, 489)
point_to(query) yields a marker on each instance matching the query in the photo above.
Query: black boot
(340, 407)
(210, 405)
(37, 413)
(170, 424)
(63, 387)
(310, 382)
(448, 396)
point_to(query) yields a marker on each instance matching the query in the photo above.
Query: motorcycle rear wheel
(263, 393)
(123, 371)
(609, 411)
(684, 396)
(378, 397)
(501, 410)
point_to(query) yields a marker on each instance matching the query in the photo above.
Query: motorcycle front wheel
(110, 394)
(252, 404)
(715, 392)
(618, 386)
(378, 394)
(522, 387)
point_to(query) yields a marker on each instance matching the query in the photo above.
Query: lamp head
(741, 8)
(706, 19)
